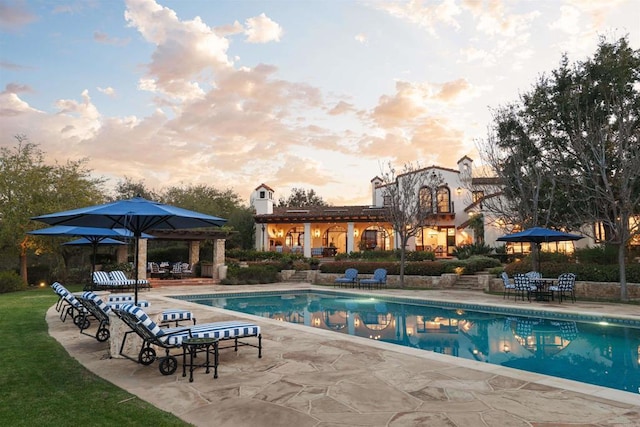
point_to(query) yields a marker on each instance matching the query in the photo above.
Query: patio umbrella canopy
(92, 235)
(539, 235)
(84, 241)
(138, 215)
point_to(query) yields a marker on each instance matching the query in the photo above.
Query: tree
(225, 204)
(411, 202)
(300, 198)
(128, 189)
(29, 187)
(568, 153)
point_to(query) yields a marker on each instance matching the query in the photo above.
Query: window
(477, 196)
(262, 194)
(387, 201)
(426, 199)
(444, 198)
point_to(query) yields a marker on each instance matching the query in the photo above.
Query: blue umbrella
(137, 215)
(539, 235)
(83, 241)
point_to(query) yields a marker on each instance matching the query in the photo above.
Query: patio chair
(156, 271)
(379, 278)
(508, 286)
(564, 287)
(187, 269)
(101, 280)
(350, 278)
(523, 286)
(171, 338)
(99, 310)
(176, 271)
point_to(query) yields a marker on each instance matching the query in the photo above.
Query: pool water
(589, 349)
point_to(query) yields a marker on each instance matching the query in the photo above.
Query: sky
(321, 95)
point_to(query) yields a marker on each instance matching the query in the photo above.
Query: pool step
(298, 276)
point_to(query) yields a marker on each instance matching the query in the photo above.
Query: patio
(312, 377)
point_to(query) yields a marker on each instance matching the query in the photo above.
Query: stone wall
(485, 282)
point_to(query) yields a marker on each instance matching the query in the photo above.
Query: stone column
(307, 239)
(142, 259)
(194, 252)
(350, 238)
(122, 254)
(218, 256)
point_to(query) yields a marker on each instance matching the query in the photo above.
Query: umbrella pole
(135, 269)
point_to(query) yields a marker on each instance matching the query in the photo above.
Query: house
(326, 230)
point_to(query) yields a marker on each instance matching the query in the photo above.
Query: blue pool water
(590, 349)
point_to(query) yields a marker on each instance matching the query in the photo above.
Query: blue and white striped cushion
(119, 305)
(120, 298)
(118, 277)
(101, 304)
(144, 319)
(176, 315)
(225, 330)
(102, 278)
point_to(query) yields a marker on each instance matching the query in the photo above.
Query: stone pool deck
(313, 377)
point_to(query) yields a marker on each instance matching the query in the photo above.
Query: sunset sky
(307, 94)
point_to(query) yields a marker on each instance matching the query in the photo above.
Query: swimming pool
(598, 350)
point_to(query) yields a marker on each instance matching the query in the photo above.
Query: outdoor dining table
(542, 292)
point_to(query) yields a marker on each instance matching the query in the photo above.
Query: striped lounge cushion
(95, 298)
(120, 298)
(176, 315)
(121, 304)
(225, 330)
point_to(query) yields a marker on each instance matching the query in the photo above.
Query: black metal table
(193, 346)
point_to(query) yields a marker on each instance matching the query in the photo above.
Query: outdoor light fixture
(317, 232)
(506, 348)
(459, 191)
(355, 232)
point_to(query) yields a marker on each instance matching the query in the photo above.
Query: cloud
(341, 108)
(261, 29)
(426, 16)
(109, 91)
(104, 38)
(14, 15)
(185, 50)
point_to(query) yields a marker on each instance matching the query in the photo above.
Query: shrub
(466, 251)
(420, 256)
(583, 272)
(605, 254)
(253, 274)
(10, 281)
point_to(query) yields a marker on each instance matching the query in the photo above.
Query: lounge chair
(171, 338)
(98, 309)
(350, 278)
(508, 286)
(68, 304)
(187, 269)
(122, 281)
(379, 278)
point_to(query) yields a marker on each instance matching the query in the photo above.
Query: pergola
(194, 237)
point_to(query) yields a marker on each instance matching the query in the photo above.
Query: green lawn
(40, 384)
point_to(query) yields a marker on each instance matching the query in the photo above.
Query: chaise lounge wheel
(103, 334)
(168, 365)
(147, 356)
(81, 322)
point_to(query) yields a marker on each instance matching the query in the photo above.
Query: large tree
(30, 187)
(300, 198)
(573, 141)
(411, 203)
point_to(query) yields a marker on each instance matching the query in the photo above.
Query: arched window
(444, 200)
(426, 199)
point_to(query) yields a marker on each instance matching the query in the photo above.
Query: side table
(193, 346)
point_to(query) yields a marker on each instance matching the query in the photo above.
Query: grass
(42, 385)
